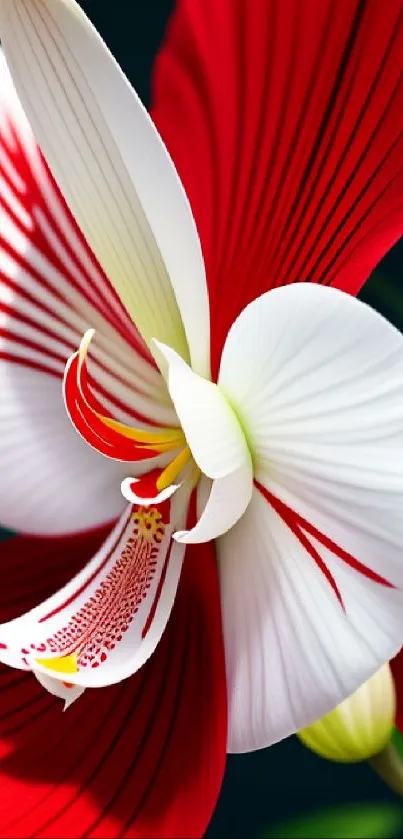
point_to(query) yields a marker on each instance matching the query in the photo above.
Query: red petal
(285, 121)
(144, 758)
(397, 670)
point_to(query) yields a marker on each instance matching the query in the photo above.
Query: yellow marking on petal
(169, 474)
(65, 664)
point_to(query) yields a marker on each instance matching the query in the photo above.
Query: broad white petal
(103, 625)
(112, 168)
(317, 379)
(312, 577)
(227, 502)
(211, 428)
(293, 650)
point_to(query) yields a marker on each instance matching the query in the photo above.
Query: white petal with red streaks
(51, 290)
(293, 651)
(114, 170)
(103, 625)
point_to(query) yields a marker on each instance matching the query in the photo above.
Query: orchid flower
(219, 402)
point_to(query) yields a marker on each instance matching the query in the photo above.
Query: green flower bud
(358, 728)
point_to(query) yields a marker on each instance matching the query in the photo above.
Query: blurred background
(264, 790)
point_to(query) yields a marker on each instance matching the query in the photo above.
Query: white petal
(51, 290)
(112, 168)
(63, 690)
(50, 480)
(227, 502)
(317, 379)
(292, 650)
(103, 625)
(211, 428)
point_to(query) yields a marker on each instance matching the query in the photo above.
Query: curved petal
(113, 170)
(63, 690)
(51, 290)
(103, 625)
(211, 427)
(229, 498)
(302, 628)
(284, 120)
(129, 759)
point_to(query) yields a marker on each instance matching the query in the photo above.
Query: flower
(361, 726)
(283, 406)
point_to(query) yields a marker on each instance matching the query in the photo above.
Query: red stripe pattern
(142, 759)
(285, 122)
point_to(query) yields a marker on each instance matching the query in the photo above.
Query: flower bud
(358, 728)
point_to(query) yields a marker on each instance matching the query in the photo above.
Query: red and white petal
(103, 625)
(127, 760)
(316, 378)
(302, 628)
(284, 120)
(51, 290)
(211, 428)
(107, 436)
(112, 168)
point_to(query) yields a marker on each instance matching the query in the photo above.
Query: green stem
(389, 766)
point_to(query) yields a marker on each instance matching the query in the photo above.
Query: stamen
(171, 438)
(169, 475)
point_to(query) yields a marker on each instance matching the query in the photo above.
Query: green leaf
(350, 821)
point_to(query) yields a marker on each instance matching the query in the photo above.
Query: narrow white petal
(112, 168)
(211, 428)
(292, 650)
(103, 625)
(227, 502)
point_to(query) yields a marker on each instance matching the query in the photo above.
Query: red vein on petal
(289, 518)
(286, 512)
(87, 582)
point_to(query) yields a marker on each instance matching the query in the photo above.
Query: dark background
(267, 787)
